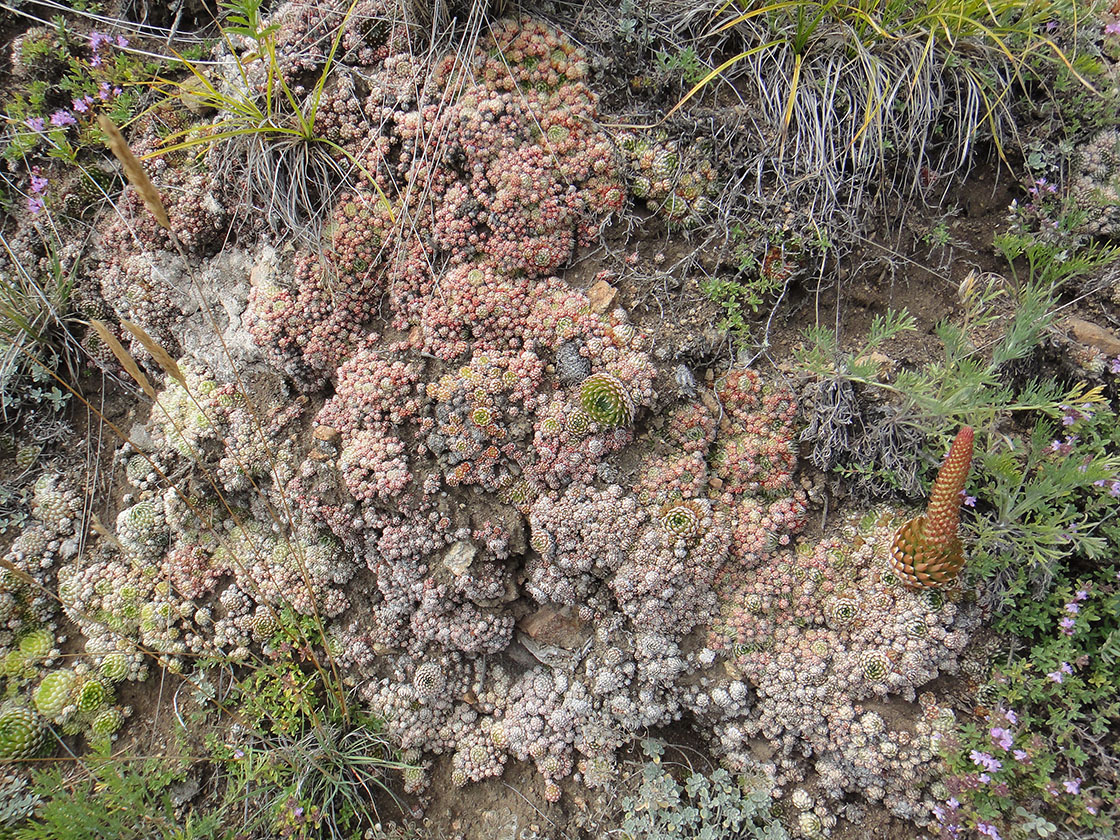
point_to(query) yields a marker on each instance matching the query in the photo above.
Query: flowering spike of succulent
(927, 551)
(944, 509)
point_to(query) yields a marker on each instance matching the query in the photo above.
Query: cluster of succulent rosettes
(481, 418)
(370, 390)
(568, 446)
(310, 324)
(676, 181)
(1095, 186)
(511, 176)
(79, 700)
(140, 273)
(927, 551)
(306, 33)
(56, 505)
(579, 538)
(817, 631)
(666, 583)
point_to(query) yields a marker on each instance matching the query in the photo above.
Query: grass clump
(848, 88)
(37, 331)
(265, 134)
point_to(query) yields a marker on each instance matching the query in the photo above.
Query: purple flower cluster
(35, 201)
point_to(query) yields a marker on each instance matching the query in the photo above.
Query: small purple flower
(1115, 367)
(239, 753)
(35, 204)
(37, 124)
(96, 39)
(1065, 668)
(1056, 676)
(1072, 786)
(1112, 28)
(1073, 607)
(1080, 595)
(953, 803)
(38, 183)
(985, 761)
(95, 60)
(988, 829)
(1021, 756)
(298, 811)
(1114, 490)
(80, 106)
(61, 119)
(968, 501)
(1067, 624)
(984, 778)
(1001, 737)
(103, 92)
(1012, 718)
(122, 41)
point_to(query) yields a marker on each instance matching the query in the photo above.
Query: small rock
(1094, 335)
(327, 434)
(601, 297)
(459, 557)
(555, 626)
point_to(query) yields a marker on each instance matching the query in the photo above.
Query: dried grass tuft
(134, 171)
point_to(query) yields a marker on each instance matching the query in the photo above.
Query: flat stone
(1094, 335)
(601, 297)
(555, 626)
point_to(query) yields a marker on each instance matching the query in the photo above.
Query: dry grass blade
(134, 171)
(123, 356)
(162, 357)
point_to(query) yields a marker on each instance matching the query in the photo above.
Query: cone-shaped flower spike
(927, 551)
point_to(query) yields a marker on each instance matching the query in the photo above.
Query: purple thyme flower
(1080, 595)
(122, 41)
(35, 204)
(1056, 676)
(1072, 785)
(37, 124)
(968, 501)
(1001, 737)
(61, 118)
(1021, 756)
(1067, 625)
(984, 760)
(96, 39)
(38, 182)
(1073, 608)
(1112, 28)
(1012, 718)
(988, 829)
(1065, 668)
(1115, 367)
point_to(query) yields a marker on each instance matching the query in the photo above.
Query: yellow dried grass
(134, 171)
(124, 357)
(162, 357)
